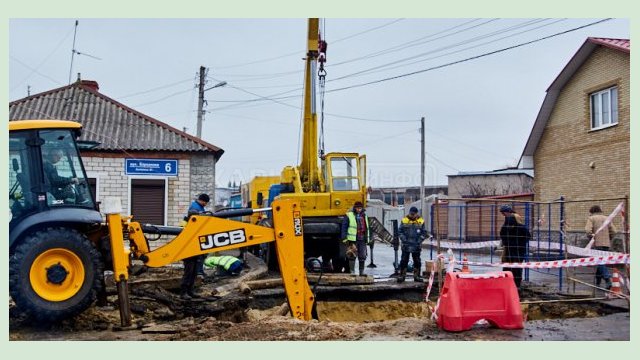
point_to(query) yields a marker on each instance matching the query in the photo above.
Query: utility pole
(203, 74)
(422, 161)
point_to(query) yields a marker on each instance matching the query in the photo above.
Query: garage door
(147, 201)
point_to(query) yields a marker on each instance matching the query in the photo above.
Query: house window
(93, 187)
(604, 108)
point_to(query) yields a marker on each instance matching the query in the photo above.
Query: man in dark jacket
(515, 239)
(59, 186)
(193, 264)
(412, 234)
(355, 236)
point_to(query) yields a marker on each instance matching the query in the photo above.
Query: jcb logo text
(297, 224)
(222, 239)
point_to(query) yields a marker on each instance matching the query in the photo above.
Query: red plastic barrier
(467, 298)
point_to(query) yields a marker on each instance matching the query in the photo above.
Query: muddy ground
(266, 325)
(159, 314)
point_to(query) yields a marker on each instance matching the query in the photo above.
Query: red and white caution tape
(464, 245)
(430, 282)
(434, 311)
(578, 262)
(434, 268)
(481, 276)
(569, 249)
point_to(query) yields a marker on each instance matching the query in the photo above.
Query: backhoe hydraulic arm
(206, 234)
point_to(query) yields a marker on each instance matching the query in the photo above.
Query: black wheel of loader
(54, 274)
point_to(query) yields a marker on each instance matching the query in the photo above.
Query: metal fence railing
(471, 227)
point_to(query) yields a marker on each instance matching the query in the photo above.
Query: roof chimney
(90, 85)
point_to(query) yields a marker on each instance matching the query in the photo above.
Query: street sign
(155, 167)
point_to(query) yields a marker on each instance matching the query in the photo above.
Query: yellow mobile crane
(326, 191)
(57, 236)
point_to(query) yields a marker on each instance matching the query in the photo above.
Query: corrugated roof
(112, 124)
(583, 53)
(617, 44)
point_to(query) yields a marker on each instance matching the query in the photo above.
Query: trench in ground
(343, 306)
(340, 311)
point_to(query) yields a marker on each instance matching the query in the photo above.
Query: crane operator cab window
(64, 176)
(344, 173)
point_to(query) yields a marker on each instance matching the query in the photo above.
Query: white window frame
(98, 177)
(598, 95)
(166, 194)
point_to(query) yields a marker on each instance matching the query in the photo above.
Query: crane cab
(345, 179)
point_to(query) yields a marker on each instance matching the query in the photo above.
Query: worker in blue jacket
(193, 265)
(412, 234)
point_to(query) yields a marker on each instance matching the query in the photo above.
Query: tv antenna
(76, 52)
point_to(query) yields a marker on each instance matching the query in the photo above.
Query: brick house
(476, 221)
(125, 144)
(480, 184)
(580, 142)
(399, 196)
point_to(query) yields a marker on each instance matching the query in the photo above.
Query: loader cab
(45, 170)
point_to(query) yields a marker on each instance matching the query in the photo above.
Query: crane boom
(308, 168)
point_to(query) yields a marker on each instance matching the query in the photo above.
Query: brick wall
(568, 146)
(203, 175)
(196, 175)
(111, 179)
(488, 185)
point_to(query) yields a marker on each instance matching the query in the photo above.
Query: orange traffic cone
(616, 289)
(465, 265)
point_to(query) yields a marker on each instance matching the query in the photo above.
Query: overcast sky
(479, 112)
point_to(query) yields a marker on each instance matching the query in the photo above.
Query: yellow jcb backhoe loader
(57, 235)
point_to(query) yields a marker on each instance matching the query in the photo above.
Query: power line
(415, 42)
(467, 59)
(376, 141)
(371, 120)
(442, 162)
(265, 98)
(302, 51)
(366, 31)
(262, 98)
(386, 68)
(464, 42)
(165, 98)
(35, 70)
(154, 89)
(289, 124)
(267, 76)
